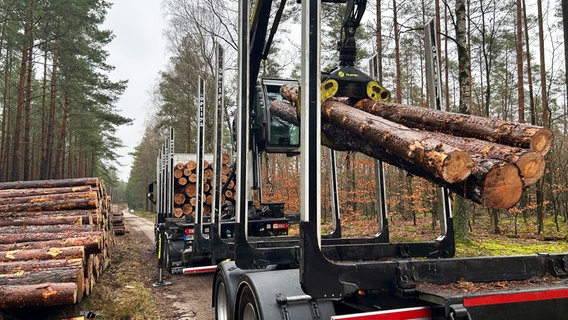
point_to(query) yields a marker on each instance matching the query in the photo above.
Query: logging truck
(327, 276)
(189, 238)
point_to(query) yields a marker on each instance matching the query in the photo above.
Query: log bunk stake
(488, 161)
(55, 240)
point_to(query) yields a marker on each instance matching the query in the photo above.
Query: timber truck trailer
(319, 277)
(196, 243)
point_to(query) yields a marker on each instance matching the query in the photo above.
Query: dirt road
(189, 297)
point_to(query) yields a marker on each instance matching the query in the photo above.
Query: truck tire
(222, 308)
(248, 306)
(167, 257)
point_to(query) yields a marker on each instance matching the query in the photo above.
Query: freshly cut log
(187, 209)
(190, 189)
(182, 181)
(192, 178)
(43, 220)
(89, 243)
(225, 159)
(488, 176)
(178, 173)
(50, 197)
(51, 205)
(43, 254)
(510, 133)
(12, 238)
(418, 147)
(29, 265)
(531, 163)
(14, 193)
(44, 294)
(180, 166)
(95, 182)
(36, 215)
(191, 165)
(494, 183)
(76, 229)
(178, 212)
(179, 198)
(68, 274)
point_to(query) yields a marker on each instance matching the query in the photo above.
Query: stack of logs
(485, 160)
(55, 237)
(185, 179)
(118, 221)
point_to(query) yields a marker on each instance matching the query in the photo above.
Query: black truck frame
(321, 277)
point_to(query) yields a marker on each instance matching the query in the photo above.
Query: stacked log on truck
(55, 238)
(485, 160)
(185, 186)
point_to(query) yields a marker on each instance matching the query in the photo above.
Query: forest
(58, 114)
(499, 59)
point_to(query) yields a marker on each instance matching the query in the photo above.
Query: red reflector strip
(189, 231)
(279, 226)
(199, 269)
(418, 313)
(515, 297)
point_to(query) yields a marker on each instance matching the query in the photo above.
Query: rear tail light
(188, 231)
(280, 226)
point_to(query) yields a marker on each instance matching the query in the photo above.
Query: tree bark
(510, 133)
(95, 182)
(479, 187)
(91, 244)
(35, 265)
(45, 294)
(43, 220)
(13, 193)
(417, 147)
(43, 254)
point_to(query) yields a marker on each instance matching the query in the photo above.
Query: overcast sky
(138, 52)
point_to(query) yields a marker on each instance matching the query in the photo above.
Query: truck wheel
(167, 258)
(221, 299)
(248, 309)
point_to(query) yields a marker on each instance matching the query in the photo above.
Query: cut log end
(542, 140)
(531, 166)
(503, 187)
(457, 166)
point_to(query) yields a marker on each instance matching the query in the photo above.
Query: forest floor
(126, 291)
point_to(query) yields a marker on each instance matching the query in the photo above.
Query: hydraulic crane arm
(351, 21)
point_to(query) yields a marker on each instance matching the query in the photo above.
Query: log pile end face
(503, 187)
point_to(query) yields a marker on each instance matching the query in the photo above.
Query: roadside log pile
(55, 237)
(185, 186)
(117, 221)
(485, 160)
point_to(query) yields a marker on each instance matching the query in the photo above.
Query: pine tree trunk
(520, 71)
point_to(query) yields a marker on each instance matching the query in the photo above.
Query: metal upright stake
(435, 93)
(166, 157)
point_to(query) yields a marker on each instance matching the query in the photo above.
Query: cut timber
(190, 189)
(531, 163)
(43, 220)
(90, 244)
(75, 229)
(510, 133)
(95, 182)
(43, 254)
(19, 266)
(488, 175)
(49, 198)
(13, 193)
(68, 274)
(494, 183)
(191, 165)
(51, 205)
(179, 198)
(12, 238)
(45, 294)
(32, 215)
(418, 147)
